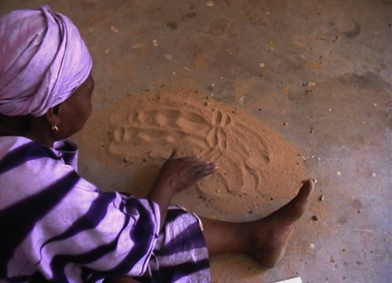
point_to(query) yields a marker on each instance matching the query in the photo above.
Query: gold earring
(55, 128)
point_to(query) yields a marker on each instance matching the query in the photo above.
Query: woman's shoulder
(16, 150)
(20, 155)
(28, 168)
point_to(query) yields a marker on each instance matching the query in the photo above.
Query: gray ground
(342, 124)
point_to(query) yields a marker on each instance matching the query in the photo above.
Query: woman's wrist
(164, 187)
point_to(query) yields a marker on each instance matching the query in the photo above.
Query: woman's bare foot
(270, 235)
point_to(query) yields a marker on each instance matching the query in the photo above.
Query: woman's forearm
(161, 195)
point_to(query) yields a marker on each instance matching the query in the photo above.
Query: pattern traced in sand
(256, 163)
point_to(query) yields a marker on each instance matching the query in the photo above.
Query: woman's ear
(53, 115)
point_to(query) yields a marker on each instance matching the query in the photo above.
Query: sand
(259, 171)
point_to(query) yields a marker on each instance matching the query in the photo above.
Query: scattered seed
(285, 123)
(374, 174)
(271, 45)
(339, 173)
(168, 56)
(262, 65)
(174, 73)
(322, 197)
(138, 45)
(312, 246)
(155, 43)
(114, 29)
(311, 84)
(311, 130)
(210, 4)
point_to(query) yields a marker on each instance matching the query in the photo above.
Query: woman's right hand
(178, 174)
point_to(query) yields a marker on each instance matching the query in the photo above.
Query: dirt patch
(259, 168)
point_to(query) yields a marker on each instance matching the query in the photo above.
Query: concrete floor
(341, 124)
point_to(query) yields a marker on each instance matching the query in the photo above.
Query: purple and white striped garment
(57, 227)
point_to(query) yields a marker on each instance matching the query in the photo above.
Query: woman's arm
(178, 174)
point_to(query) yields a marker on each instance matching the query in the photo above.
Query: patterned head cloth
(43, 59)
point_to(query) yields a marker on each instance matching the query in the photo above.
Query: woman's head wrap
(43, 59)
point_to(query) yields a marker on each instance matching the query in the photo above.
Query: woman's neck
(25, 127)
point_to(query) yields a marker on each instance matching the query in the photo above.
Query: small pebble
(155, 43)
(174, 73)
(315, 218)
(339, 173)
(210, 4)
(285, 123)
(311, 84)
(312, 246)
(375, 104)
(374, 174)
(114, 29)
(330, 110)
(311, 130)
(262, 65)
(212, 85)
(322, 198)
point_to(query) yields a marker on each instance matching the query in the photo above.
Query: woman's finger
(209, 171)
(202, 171)
(190, 159)
(200, 167)
(198, 164)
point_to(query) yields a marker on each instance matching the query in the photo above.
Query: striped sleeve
(109, 233)
(69, 225)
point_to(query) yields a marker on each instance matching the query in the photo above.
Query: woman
(58, 227)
